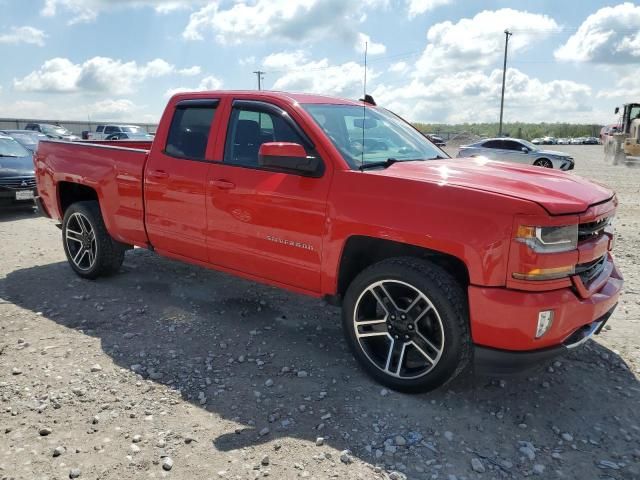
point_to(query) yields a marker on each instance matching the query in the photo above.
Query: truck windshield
(374, 138)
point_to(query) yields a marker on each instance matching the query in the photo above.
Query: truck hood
(557, 192)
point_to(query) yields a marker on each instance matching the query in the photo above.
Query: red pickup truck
(435, 261)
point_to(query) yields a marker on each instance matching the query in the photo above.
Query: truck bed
(114, 173)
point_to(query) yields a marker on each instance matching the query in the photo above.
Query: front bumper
(504, 362)
(506, 319)
(8, 197)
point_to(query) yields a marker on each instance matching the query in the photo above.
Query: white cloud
(299, 73)
(207, 83)
(83, 11)
(289, 20)
(250, 60)
(399, 67)
(191, 71)
(373, 48)
(474, 96)
(98, 74)
(478, 42)
(417, 7)
(627, 86)
(611, 35)
(24, 34)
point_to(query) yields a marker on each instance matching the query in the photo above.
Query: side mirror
(288, 157)
(615, 112)
(524, 150)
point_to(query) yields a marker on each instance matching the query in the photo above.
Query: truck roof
(286, 96)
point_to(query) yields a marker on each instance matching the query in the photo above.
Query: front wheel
(543, 162)
(406, 321)
(89, 248)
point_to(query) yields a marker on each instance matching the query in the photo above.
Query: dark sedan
(17, 179)
(27, 138)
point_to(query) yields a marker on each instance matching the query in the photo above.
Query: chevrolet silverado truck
(436, 262)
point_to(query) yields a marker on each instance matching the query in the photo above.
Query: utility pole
(260, 75)
(507, 34)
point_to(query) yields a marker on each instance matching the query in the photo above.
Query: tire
(90, 255)
(543, 162)
(386, 346)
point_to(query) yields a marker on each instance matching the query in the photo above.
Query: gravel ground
(172, 371)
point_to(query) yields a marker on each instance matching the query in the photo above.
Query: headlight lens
(549, 239)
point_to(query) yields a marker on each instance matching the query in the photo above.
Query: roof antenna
(364, 103)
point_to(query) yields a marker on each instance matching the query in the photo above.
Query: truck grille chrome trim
(587, 231)
(589, 271)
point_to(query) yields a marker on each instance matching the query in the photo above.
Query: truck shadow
(218, 339)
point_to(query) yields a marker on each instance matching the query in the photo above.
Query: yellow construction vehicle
(622, 145)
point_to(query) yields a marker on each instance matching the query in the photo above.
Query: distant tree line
(516, 129)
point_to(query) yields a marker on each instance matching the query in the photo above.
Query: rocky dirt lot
(172, 371)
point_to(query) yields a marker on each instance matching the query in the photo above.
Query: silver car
(519, 151)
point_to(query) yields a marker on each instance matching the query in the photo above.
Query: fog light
(545, 319)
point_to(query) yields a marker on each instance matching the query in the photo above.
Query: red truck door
(176, 180)
(265, 223)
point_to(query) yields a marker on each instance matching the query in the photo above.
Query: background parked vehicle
(27, 138)
(17, 178)
(52, 131)
(536, 141)
(104, 131)
(549, 141)
(576, 141)
(436, 140)
(519, 151)
(129, 136)
(563, 141)
(591, 141)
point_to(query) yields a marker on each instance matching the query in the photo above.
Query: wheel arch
(71, 192)
(359, 252)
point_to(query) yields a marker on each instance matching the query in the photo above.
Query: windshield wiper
(387, 163)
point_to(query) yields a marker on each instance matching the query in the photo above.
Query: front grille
(590, 230)
(18, 183)
(590, 270)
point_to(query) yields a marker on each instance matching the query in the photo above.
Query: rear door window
(493, 144)
(511, 145)
(190, 127)
(99, 128)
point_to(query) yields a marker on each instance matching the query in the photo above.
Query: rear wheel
(543, 162)
(406, 322)
(89, 248)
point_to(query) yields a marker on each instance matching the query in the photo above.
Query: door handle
(223, 184)
(158, 174)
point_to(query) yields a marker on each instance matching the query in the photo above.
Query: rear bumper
(506, 319)
(504, 362)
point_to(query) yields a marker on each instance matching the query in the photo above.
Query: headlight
(549, 239)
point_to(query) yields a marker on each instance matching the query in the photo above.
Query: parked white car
(104, 131)
(519, 151)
